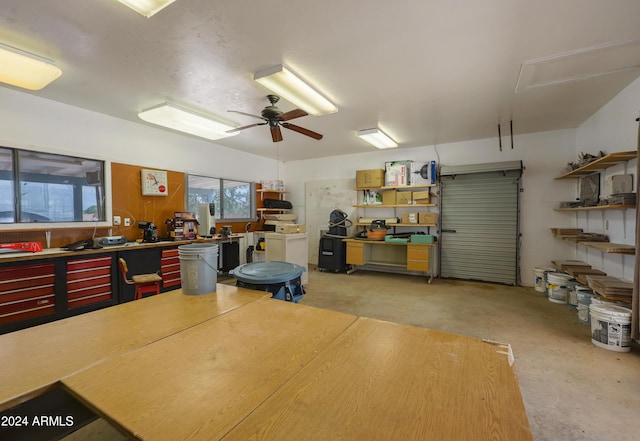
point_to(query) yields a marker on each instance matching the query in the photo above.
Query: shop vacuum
(332, 251)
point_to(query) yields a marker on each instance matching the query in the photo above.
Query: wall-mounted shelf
(600, 164)
(597, 207)
(605, 247)
(397, 187)
(395, 206)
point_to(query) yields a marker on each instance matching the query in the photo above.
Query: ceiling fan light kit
(184, 120)
(285, 83)
(25, 70)
(377, 138)
(147, 7)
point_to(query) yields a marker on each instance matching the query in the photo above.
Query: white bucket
(541, 279)
(557, 287)
(583, 296)
(198, 268)
(611, 327)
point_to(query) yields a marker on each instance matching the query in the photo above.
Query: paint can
(540, 273)
(557, 287)
(611, 327)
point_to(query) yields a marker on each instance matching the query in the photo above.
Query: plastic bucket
(557, 284)
(611, 327)
(572, 295)
(583, 296)
(198, 268)
(541, 279)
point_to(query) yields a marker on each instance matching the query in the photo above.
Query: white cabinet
(292, 248)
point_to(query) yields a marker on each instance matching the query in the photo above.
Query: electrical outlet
(127, 222)
(117, 220)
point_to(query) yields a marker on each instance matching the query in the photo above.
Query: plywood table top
(385, 381)
(200, 383)
(35, 358)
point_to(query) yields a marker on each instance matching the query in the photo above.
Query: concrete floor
(572, 390)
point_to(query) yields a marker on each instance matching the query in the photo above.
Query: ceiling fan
(275, 118)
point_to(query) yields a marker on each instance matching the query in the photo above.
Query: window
(234, 200)
(43, 187)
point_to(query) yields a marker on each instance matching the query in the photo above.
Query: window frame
(17, 174)
(220, 206)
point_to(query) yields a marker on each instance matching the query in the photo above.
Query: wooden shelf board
(605, 247)
(597, 207)
(262, 190)
(272, 209)
(600, 164)
(397, 187)
(394, 206)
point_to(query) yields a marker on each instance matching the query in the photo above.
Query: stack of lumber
(564, 265)
(577, 235)
(566, 231)
(611, 288)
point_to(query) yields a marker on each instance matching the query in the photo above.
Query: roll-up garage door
(479, 223)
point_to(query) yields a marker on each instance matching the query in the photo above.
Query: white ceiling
(426, 71)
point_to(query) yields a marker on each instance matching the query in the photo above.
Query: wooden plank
(35, 358)
(200, 383)
(613, 248)
(385, 381)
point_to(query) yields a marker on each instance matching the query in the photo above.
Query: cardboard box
(410, 218)
(389, 197)
(421, 197)
(422, 172)
(369, 178)
(404, 197)
(291, 228)
(397, 173)
(427, 218)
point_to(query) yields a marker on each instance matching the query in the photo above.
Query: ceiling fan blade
(246, 114)
(276, 134)
(246, 127)
(291, 114)
(302, 130)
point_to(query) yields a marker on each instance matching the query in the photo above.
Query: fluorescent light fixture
(377, 138)
(147, 7)
(26, 70)
(284, 83)
(183, 120)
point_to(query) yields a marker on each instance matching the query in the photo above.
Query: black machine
(150, 231)
(332, 251)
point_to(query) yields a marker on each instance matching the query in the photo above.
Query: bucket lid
(268, 272)
(613, 310)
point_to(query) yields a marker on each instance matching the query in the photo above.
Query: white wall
(612, 129)
(34, 123)
(544, 156)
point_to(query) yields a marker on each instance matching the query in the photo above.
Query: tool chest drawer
(89, 281)
(27, 291)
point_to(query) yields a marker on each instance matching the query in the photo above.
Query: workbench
(252, 367)
(380, 255)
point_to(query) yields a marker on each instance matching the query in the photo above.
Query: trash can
(281, 279)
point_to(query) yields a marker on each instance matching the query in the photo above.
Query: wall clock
(154, 183)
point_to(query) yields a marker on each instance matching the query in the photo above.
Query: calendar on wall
(154, 183)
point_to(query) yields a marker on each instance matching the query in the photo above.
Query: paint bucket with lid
(611, 327)
(557, 287)
(540, 273)
(584, 295)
